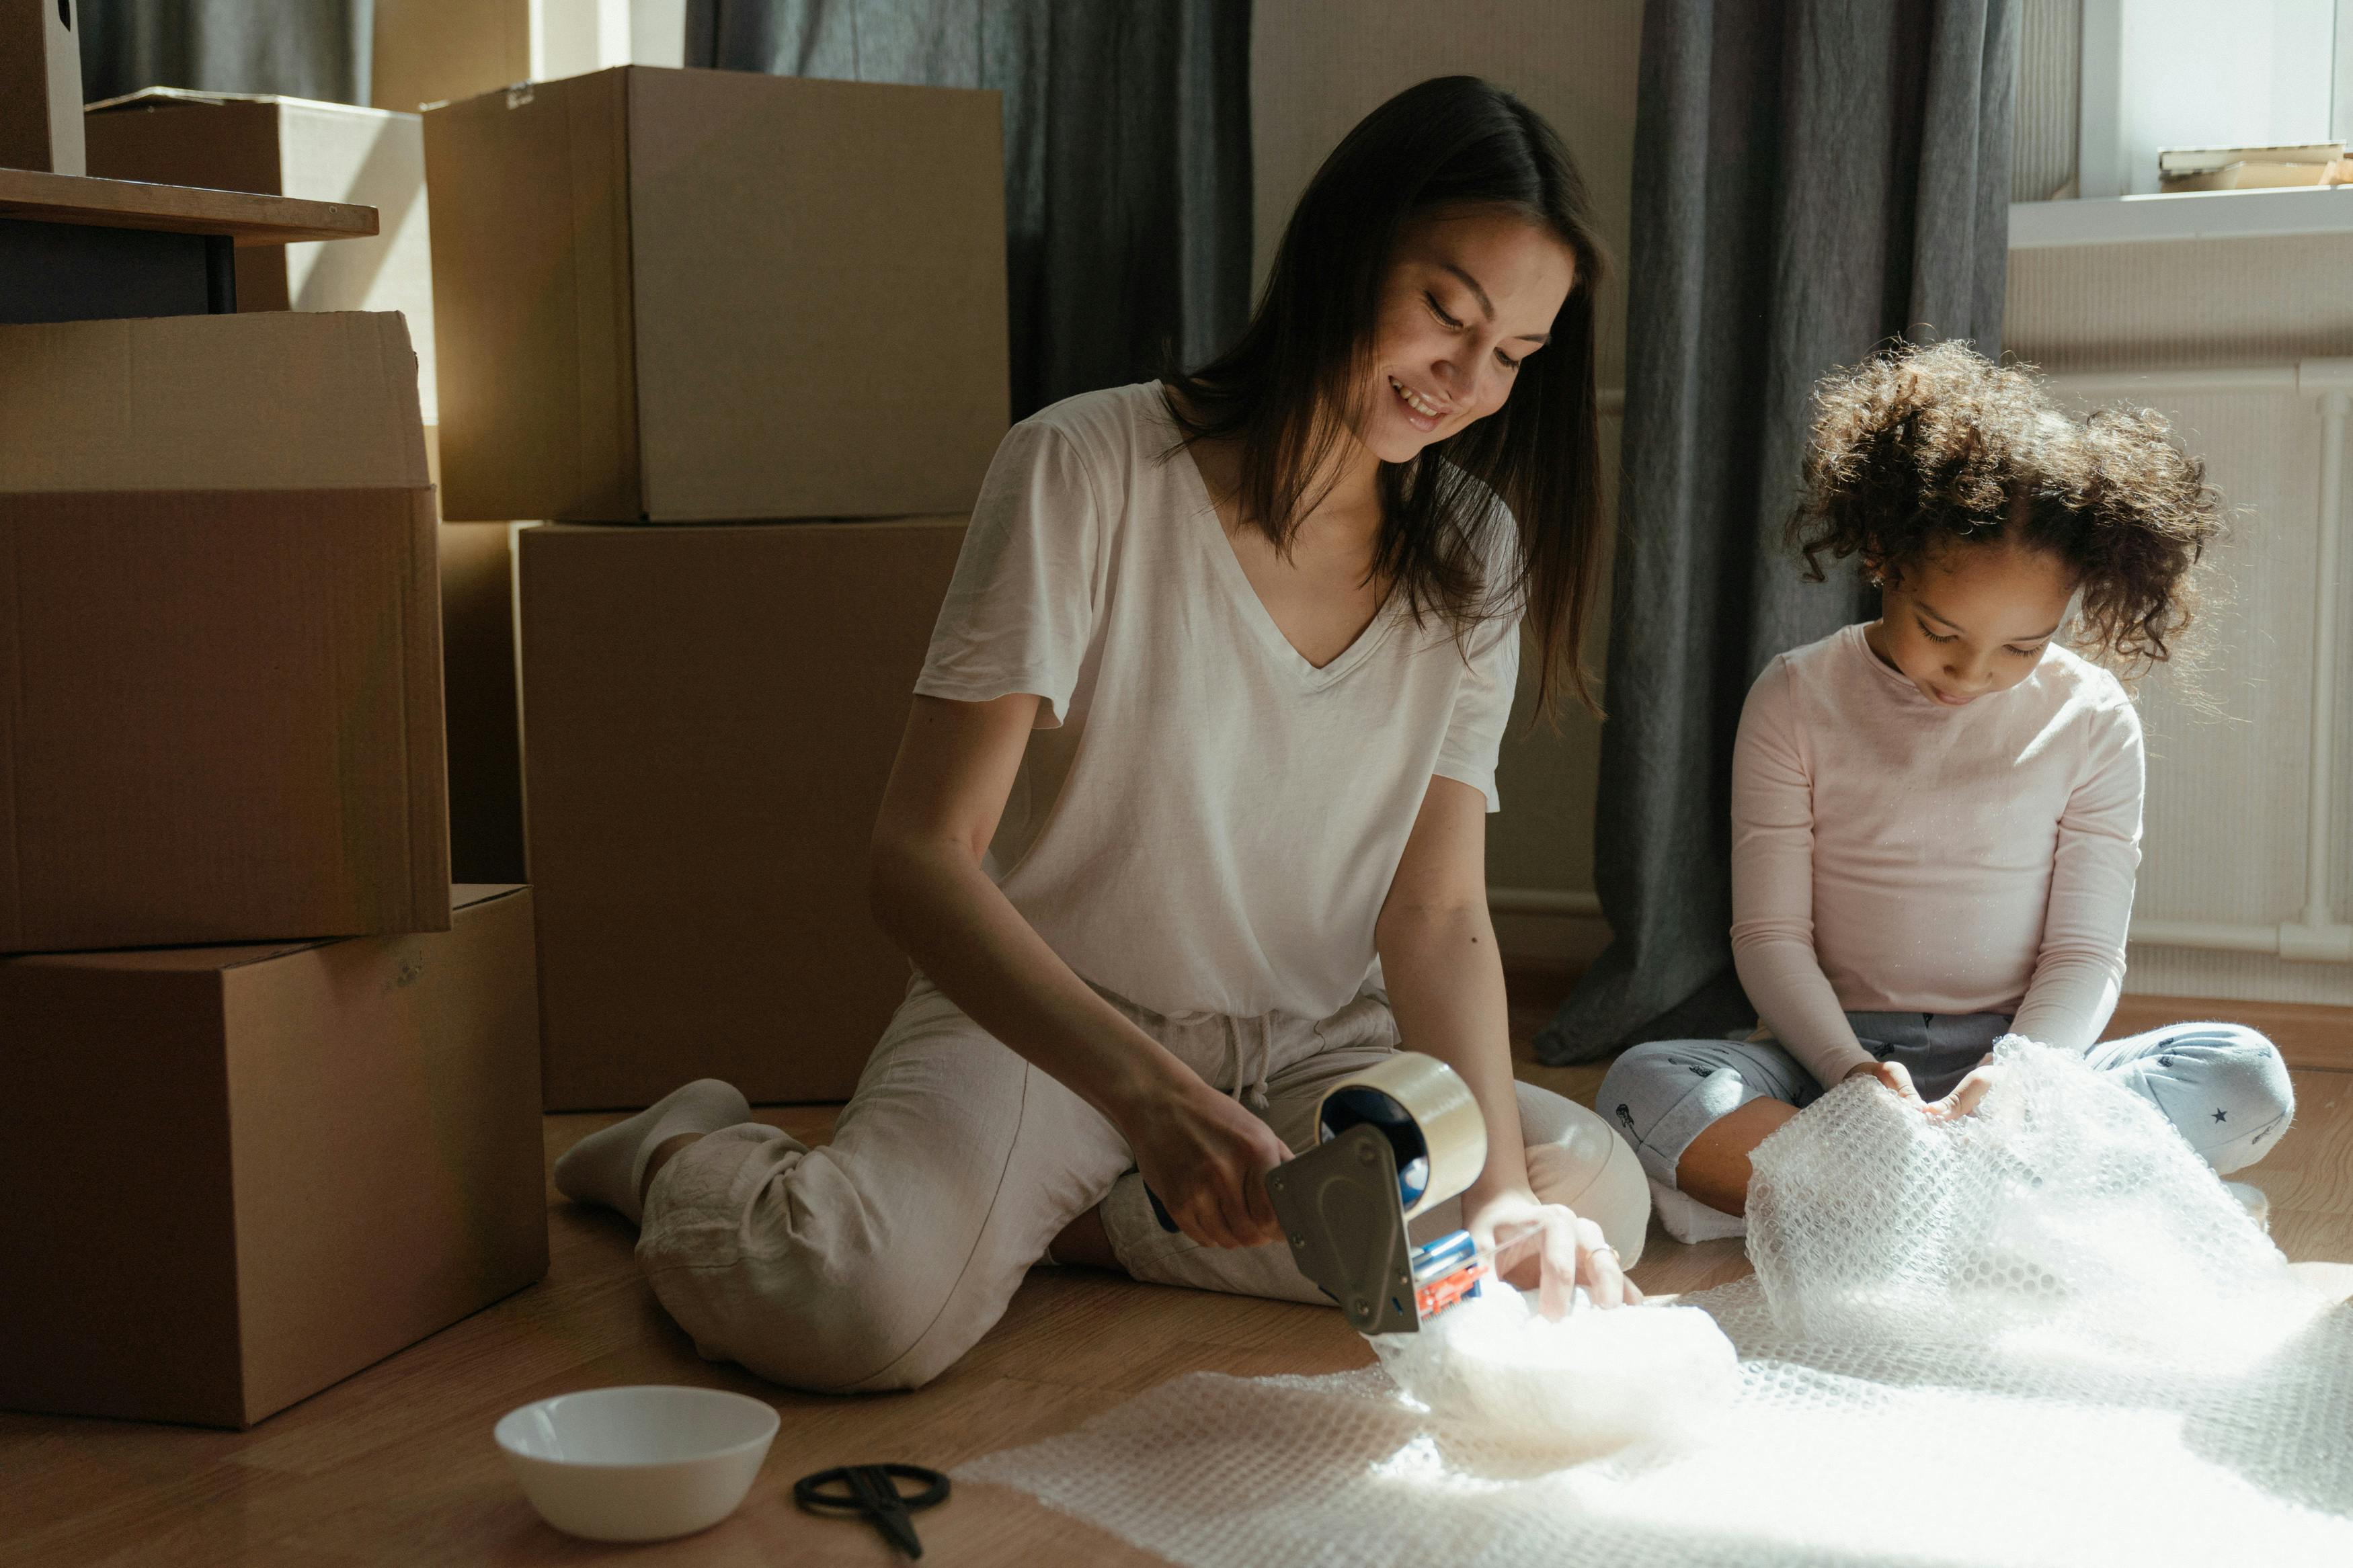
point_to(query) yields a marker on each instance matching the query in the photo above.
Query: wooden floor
(395, 1466)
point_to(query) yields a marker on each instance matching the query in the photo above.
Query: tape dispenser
(1393, 1143)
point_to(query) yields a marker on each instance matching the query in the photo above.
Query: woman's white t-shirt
(1205, 822)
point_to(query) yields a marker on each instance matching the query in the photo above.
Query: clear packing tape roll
(2040, 1335)
(1432, 1121)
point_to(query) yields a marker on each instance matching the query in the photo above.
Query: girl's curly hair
(1918, 449)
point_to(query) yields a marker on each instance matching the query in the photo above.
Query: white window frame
(2101, 214)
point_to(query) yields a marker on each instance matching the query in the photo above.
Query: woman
(1189, 818)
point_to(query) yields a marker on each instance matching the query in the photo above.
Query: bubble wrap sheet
(2043, 1334)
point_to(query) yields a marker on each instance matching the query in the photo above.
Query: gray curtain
(1127, 159)
(1812, 177)
(303, 48)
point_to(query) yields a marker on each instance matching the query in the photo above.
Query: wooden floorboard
(396, 1464)
(2308, 1034)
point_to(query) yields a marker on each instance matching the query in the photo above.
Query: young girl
(1936, 817)
(1188, 821)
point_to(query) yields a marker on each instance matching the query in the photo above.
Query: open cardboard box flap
(225, 718)
(297, 401)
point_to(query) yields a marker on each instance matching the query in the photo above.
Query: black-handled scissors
(874, 1490)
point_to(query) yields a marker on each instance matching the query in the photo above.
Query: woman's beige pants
(876, 1261)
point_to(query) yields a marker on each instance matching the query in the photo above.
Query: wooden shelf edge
(248, 216)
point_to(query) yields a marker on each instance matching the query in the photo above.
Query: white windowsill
(2195, 215)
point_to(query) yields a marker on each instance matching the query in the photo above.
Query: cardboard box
(694, 296)
(238, 1174)
(222, 653)
(432, 51)
(709, 715)
(40, 87)
(293, 147)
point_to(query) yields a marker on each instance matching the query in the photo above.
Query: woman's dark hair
(1917, 450)
(1286, 389)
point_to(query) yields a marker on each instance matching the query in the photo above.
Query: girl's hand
(1206, 1158)
(1546, 1247)
(1968, 1093)
(1895, 1076)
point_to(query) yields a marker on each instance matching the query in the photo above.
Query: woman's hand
(1968, 1093)
(1895, 1076)
(1531, 1244)
(1205, 1159)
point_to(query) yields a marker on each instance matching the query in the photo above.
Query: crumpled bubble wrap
(1580, 1385)
(2041, 1335)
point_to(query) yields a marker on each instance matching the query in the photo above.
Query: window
(2208, 73)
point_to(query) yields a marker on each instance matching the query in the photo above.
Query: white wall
(569, 38)
(1319, 66)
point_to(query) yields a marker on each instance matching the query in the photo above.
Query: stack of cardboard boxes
(699, 319)
(237, 1172)
(270, 1077)
(333, 152)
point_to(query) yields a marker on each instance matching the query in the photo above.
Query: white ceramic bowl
(640, 1463)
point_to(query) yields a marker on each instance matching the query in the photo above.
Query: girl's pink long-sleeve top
(1891, 854)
